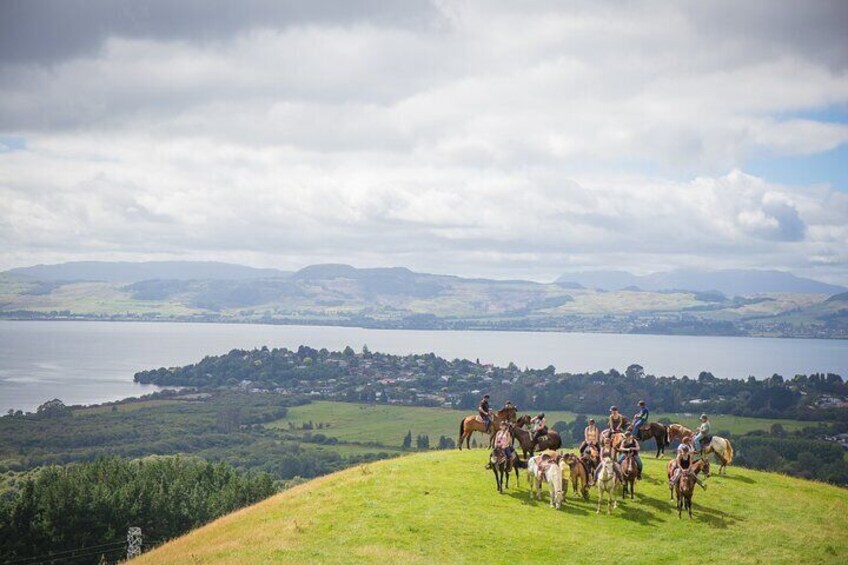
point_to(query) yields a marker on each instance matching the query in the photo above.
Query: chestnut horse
(472, 424)
(578, 472)
(685, 489)
(679, 432)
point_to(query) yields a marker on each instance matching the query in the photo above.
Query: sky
(500, 139)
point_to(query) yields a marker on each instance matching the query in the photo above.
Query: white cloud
(503, 140)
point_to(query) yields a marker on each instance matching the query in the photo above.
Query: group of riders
(600, 443)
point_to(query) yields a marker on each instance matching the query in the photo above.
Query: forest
(429, 380)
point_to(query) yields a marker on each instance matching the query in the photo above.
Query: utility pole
(133, 542)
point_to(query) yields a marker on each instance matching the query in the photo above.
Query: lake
(91, 362)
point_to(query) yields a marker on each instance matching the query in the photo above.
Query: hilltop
(442, 506)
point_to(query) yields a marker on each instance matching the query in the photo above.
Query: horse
(501, 466)
(578, 472)
(471, 424)
(550, 472)
(685, 488)
(656, 431)
(629, 471)
(701, 465)
(607, 482)
(679, 432)
(525, 440)
(721, 448)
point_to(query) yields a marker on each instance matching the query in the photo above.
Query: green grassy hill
(442, 506)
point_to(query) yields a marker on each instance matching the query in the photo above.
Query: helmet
(628, 433)
(683, 447)
(485, 396)
(503, 423)
(704, 417)
(541, 415)
(613, 408)
(591, 420)
(641, 403)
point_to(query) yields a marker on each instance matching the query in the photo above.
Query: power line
(60, 554)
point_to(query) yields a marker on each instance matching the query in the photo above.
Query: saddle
(706, 440)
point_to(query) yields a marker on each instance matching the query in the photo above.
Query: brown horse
(699, 466)
(656, 431)
(679, 432)
(578, 472)
(629, 471)
(525, 440)
(473, 424)
(685, 489)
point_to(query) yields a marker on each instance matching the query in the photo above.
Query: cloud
(482, 138)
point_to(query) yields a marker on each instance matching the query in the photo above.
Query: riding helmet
(641, 403)
(613, 408)
(704, 417)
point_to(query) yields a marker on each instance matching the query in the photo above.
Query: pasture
(442, 506)
(388, 424)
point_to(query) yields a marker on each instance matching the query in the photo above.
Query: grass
(387, 425)
(442, 507)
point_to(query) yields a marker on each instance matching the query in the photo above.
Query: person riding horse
(539, 426)
(591, 435)
(640, 418)
(606, 451)
(485, 412)
(503, 440)
(630, 445)
(683, 462)
(703, 433)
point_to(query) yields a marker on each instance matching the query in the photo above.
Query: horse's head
(705, 466)
(523, 421)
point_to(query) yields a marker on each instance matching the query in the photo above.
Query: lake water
(90, 362)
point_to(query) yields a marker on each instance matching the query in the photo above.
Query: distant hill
(442, 507)
(732, 282)
(128, 272)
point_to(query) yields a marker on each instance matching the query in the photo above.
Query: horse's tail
(729, 452)
(461, 430)
(666, 440)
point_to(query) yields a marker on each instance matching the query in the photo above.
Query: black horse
(501, 467)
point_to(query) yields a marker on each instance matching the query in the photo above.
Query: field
(442, 507)
(387, 425)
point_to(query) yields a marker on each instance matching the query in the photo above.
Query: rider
(590, 436)
(703, 432)
(641, 417)
(683, 462)
(539, 426)
(606, 451)
(615, 421)
(630, 445)
(503, 439)
(485, 412)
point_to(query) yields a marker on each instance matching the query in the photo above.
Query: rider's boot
(700, 482)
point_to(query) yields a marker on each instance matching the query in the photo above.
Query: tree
(53, 409)
(407, 440)
(422, 442)
(635, 371)
(777, 430)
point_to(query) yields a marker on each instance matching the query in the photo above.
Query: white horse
(607, 482)
(722, 450)
(551, 473)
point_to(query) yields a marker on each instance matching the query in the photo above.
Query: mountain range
(731, 282)
(689, 302)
